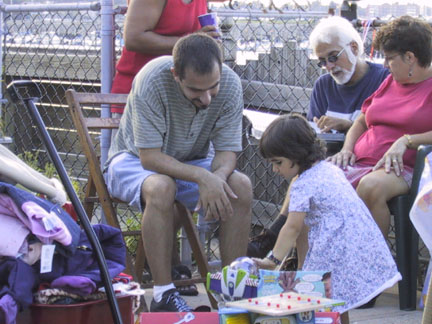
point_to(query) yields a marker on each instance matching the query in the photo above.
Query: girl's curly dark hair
(292, 137)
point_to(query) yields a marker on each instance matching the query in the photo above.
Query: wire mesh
(61, 50)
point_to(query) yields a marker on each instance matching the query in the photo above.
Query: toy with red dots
(284, 304)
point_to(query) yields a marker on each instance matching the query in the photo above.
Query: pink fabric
(13, 232)
(34, 221)
(75, 284)
(392, 111)
(358, 171)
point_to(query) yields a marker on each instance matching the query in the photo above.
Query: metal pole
(107, 66)
(30, 7)
(107, 72)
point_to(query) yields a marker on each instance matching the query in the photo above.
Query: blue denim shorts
(125, 176)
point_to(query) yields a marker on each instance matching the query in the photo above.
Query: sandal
(180, 272)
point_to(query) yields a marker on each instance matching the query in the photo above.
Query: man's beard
(346, 75)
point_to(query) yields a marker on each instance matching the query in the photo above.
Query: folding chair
(96, 190)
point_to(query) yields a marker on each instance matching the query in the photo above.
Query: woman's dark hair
(197, 51)
(292, 137)
(406, 34)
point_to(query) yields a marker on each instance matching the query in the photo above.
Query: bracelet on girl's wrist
(272, 258)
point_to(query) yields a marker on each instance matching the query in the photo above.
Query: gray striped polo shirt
(158, 115)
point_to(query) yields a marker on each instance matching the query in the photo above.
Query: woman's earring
(410, 72)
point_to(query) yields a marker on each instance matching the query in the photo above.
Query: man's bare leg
(234, 232)
(158, 225)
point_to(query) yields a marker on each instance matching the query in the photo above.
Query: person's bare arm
(346, 155)
(141, 19)
(286, 239)
(213, 190)
(285, 204)
(327, 123)
(393, 158)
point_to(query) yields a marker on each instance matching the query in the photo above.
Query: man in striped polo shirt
(178, 105)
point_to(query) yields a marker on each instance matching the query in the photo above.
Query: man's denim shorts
(125, 175)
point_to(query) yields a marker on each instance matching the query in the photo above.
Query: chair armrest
(422, 152)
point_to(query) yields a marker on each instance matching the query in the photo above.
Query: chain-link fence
(61, 49)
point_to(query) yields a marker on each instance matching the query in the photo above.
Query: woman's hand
(393, 158)
(264, 263)
(343, 158)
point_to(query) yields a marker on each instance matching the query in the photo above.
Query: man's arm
(153, 159)
(224, 164)
(141, 19)
(214, 192)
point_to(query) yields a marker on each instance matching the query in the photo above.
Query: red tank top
(177, 19)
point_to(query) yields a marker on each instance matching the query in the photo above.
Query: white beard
(346, 75)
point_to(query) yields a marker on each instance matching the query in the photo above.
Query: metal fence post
(107, 67)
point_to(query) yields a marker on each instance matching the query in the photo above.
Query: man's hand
(214, 197)
(211, 31)
(327, 123)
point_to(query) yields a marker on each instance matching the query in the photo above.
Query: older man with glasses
(338, 95)
(335, 103)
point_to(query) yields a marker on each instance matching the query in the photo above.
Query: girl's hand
(393, 158)
(264, 263)
(287, 280)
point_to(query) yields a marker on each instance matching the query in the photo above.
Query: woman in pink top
(379, 151)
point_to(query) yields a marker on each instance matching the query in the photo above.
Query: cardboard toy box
(313, 283)
(327, 318)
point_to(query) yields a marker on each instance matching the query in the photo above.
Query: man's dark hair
(406, 34)
(197, 51)
(292, 137)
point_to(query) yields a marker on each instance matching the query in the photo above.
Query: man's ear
(174, 74)
(354, 48)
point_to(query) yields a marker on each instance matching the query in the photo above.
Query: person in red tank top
(152, 27)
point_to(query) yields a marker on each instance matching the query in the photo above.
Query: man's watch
(271, 257)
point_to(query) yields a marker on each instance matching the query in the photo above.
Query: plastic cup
(208, 19)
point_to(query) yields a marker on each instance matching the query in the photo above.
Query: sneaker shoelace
(179, 302)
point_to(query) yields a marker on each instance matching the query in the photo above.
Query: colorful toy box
(313, 283)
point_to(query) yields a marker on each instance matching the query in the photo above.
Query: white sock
(159, 290)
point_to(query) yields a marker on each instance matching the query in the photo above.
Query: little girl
(343, 237)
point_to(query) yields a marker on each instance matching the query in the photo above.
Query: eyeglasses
(391, 57)
(331, 59)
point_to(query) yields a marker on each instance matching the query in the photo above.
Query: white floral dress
(343, 237)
